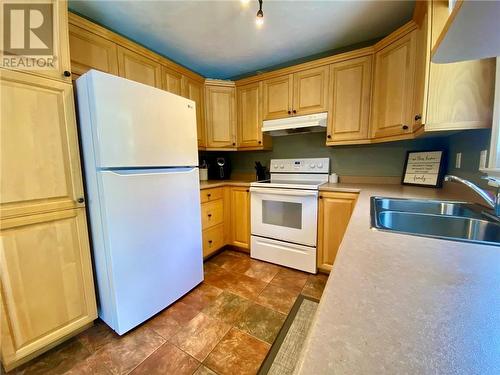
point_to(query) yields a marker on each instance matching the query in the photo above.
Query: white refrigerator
(140, 158)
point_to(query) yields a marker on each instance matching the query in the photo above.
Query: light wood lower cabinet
(335, 211)
(350, 92)
(225, 217)
(47, 284)
(134, 66)
(45, 269)
(240, 217)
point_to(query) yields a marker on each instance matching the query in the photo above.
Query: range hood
(296, 125)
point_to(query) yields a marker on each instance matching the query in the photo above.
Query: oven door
(285, 214)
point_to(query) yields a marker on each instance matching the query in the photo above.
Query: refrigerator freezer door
(134, 125)
(154, 250)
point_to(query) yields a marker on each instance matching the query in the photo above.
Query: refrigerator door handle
(146, 172)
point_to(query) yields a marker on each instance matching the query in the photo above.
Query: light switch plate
(458, 160)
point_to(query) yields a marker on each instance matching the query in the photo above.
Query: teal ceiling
(219, 39)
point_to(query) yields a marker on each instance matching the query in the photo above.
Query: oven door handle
(292, 192)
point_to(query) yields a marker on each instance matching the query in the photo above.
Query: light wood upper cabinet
(310, 91)
(456, 96)
(194, 90)
(46, 281)
(40, 165)
(90, 51)
(220, 109)
(334, 213)
(350, 92)
(277, 97)
(392, 111)
(137, 67)
(240, 217)
(249, 105)
(171, 80)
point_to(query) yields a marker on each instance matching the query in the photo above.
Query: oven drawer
(212, 213)
(284, 253)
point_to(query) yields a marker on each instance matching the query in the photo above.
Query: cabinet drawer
(213, 239)
(212, 213)
(211, 194)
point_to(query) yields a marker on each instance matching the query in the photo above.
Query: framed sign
(424, 168)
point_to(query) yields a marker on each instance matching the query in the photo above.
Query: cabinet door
(59, 42)
(46, 281)
(350, 83)
(277, 97)
(40, 166)
(240, 217)
(171, 80)
(220, 116)
(393, 88)
(137, 67)
(194, 90)
(335, 211)
(249, 115)
(310, 91)
(90, 51)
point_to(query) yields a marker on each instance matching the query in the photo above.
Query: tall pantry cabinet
(47, 290)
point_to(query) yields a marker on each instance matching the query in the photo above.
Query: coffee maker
(219, 168)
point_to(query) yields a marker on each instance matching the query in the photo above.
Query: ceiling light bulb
(245, 2)
(259, 20)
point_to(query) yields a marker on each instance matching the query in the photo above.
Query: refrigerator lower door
(153, 243)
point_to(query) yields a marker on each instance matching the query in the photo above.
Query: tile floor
(226, 325)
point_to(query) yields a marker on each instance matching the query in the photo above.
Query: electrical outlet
(458, 160)
(482, 159)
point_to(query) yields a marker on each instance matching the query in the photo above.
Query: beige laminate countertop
(219, 183)
(400, 304)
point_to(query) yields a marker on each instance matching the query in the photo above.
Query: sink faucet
(493, 200)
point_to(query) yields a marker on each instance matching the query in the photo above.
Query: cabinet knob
(328, 136)
(260, 142)
(289, 112)
(234, 144)
(405, 127)
(418, 117)
(248, 190)
(80, 200)
(320, 197)
(209, 195)
(67, 73)
(210, 242)
(209, 215)
(294, 111)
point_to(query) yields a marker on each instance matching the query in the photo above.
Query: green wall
(383, 159)
(470, 144)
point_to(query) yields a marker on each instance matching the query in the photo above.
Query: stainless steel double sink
(451, 220)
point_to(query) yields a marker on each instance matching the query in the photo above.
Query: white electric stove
(284, 212)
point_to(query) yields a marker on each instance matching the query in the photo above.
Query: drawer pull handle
(209, 215)
(209, 242)
(209, 195)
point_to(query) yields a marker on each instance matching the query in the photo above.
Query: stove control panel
(310, 165)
